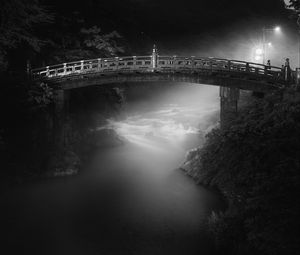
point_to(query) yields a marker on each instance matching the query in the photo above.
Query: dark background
(175, 26)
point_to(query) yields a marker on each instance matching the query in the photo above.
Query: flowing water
(131, 199)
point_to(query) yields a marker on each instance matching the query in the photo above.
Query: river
(130, 199)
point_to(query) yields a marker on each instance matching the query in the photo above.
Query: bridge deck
(160, 64)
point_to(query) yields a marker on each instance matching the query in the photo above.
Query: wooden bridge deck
(161, 68)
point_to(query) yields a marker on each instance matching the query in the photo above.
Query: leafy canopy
(18, 21)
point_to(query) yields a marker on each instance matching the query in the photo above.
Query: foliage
(27, 128)
(94, 39)
(293, 4)
(72, 37)
(255, 163)
(26, 133)
(18, 20)
(40, 96)
(75, 40)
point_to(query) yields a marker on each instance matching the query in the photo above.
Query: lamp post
(265, 31)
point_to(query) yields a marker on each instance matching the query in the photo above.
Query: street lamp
(276, 29)
(258, 54)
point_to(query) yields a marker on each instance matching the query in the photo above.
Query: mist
(239, 41)
(167, 116)
(148, 193)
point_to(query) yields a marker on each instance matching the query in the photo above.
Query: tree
(18, 20)
(254, 162)
(103, 42)
(75, 42)
(294, 5)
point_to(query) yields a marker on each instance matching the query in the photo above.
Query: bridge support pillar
(61, 105)
(229, 104)
(297, 78)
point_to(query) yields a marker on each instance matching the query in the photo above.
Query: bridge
(229, 75)
(154, 68)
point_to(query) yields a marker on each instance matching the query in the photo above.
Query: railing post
(65, 68)
(47, 71)
(174, 62)
(287, 74)
(134, 62)
(193, 62)
(81, 65)
(265, 70)
(154, 57)
(247, 68)
(210, 65)
(117, 63)
(229, 65)
(99, 63)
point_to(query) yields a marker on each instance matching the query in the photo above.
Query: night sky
(164, 18)
(220, 28)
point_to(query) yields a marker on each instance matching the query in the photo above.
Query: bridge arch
(229, 75)
(215, 79)
(210, 71)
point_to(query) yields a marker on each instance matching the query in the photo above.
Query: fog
(161, 124)
(128, 199)
(239, 41)
(175, 116)
(164, 209)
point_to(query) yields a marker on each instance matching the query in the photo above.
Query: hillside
(254, 162)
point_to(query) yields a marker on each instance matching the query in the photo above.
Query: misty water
(130, 199)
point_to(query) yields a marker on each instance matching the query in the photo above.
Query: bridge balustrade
(164, 63)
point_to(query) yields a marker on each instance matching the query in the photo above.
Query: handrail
(145, 64)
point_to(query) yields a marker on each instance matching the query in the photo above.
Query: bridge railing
(163, 63)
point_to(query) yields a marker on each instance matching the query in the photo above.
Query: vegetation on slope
(254, 161)
(31, 33)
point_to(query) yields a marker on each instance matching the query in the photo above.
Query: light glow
(277, 29)
(259, 51)
(257, 58)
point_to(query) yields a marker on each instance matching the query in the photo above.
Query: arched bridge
(230, 75)
(202, 70)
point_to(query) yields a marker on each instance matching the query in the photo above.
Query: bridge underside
(257, 83)
(229, 75)
(229, 89)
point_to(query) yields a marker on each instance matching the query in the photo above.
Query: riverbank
(129, 200)
(29, 146)
(254, 162)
